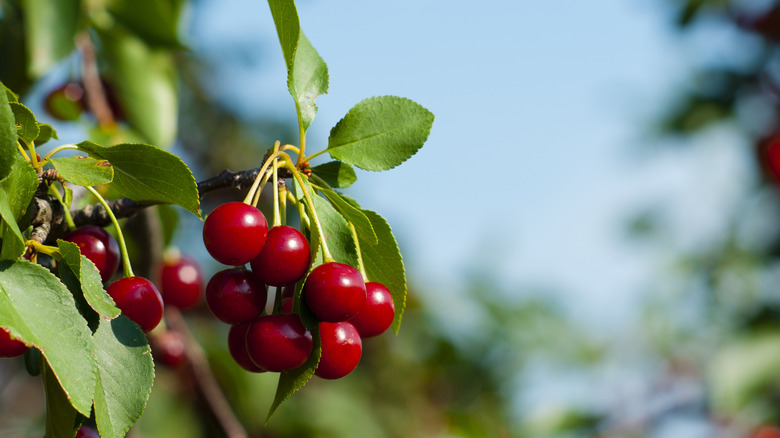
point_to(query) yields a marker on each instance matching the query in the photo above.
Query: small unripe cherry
(237, 348)
(278, 342)
(139, 300)
(99, 246)
(334, 292)
(284, 259)
(181, 281)
(235, 295)
(10, 347)
(341, 350)
(377, 314)
(234, 233)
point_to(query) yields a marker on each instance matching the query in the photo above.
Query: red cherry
(181, 282)
(234, 233)
(99, 246)
(10, 347)
(235, 296)
(65, 102)
(341, 349)
(169, 349)
(334, 292)
(278, 342)
(237, 348)
(378, 313)
(767, 432)
(284, 258)
(87, 432)
(139, 300)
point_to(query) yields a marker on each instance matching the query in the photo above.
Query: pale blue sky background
(538, 155)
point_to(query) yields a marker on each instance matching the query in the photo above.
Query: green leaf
(45, 133)
(125, 376)
(10, 95)
(26, 125)
(20, 185)
(84, 171)
(336, 174)
(89, 278)
(146, 83)
(293, 380)
(37, 308)
(384, 264)
(380, 133)
(353, 215)
(336, 233)
(50, 27)
(8, 137)
(13, 241)
(288, 28)
(147, 174)
(307, 80)
(156, 21)
(61, 419)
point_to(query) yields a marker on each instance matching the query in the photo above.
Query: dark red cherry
(278, 342)
(234, 233)
(235, 296)
(334, 292)
(341, 349)
(139, 300)
(169, 349)
(87, 432)
(181, 281)
(237, 348)
(377, 314)
(65, 102)
(284, 258)
(99, 246)
(10, 347)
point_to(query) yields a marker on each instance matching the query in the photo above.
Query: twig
(204, 378)
(95, 94)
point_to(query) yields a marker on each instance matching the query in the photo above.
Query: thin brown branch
(97, 101)
(204, 378)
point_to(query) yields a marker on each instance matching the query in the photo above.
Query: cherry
(234, 233)
(335, 292)
(235, 296)
(278, 342)
(139, 300)
(169, 349)
(378, 313)
(10, 347)
(287, 299)
(284, 258)
(237, 348)
(99, 246)
(181, 281)
(87, 432)
(65, 102)
(341, 349)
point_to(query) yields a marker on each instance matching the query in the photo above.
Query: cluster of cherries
(348, 309)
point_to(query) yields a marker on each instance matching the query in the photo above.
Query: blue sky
(535, 160)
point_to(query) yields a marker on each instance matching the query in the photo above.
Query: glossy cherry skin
(341, 350)
(99, 246)
(334, 292)
(237, 348)
(10, 347)
(139, 300)
(169, 349)
(235, 296)
(87, 432)
(284, 259)
(377, 314)
(181, 282)
(278, 342)
(234, 233)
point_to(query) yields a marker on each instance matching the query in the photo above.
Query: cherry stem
(282, 189)
(128, 270)
(261, 174)
(33, 156)
(68, 217)
(316, 154)
(302, 132)
(327, 257)
(277, 212)
(58, 149)
(51, 251)
(361, 267)
(21, 149)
